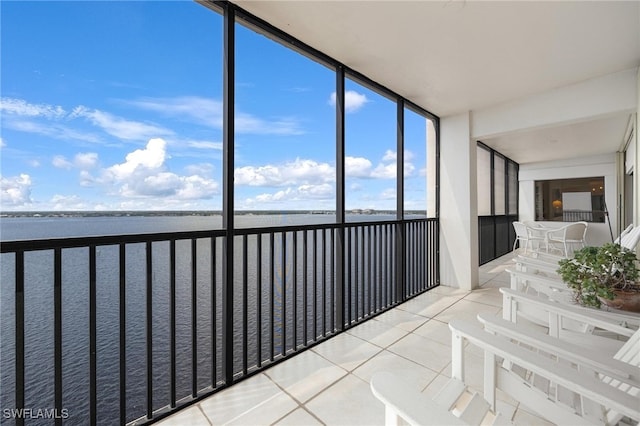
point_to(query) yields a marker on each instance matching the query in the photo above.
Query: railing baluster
(332, 285)
(356, 275)
(361, 278)
(372, 267)
(272, 296)
(283, 293)
(172, 321)
(323, 276)
(57, 326)
(245, 304)
(122, 271)
(315, 284)
(149, 325)
(423, 258)
(348, 254)
(294, 295)
(19, 307)
(259, 297)
(214, 325)
(93, 371)
(194, 317)
(305, 292)
(378, 258)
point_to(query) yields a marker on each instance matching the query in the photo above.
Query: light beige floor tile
(474, 371)
(449, 291)
(425, 352)
(404, 320)
(465, 309)
(347, 351)
(435, 386)
(525, 418)
(438, 303)
(305, 375)
(435, 330)
(377, 332)
(488, 296)
(348, 402)
(189, 416)
(299, 417)
(267, 412)
(495, 284)
(410, 372)
(240, 399)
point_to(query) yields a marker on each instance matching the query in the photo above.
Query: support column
(458, 204)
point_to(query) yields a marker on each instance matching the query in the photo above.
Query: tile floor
(329, 384)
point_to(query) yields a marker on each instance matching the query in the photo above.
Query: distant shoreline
(146, 213)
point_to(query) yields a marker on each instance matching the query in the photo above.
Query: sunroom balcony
(329, 384)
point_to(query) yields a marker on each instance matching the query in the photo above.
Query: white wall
(597, 233)
(458, 204)
(636, 168)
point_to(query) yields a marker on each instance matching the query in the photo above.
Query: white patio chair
(454, 405)
(561, 382)
(629, 239)
(565, 238)
(532, 236)
(522, 235)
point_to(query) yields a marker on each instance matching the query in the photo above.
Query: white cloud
(197, 109)
(208, 112)
(150, 158)
(61, 162)
(16, 191)
(85, 160)
(384, 171)
(67, 202)
(144, 174)
(388, 194)
(390, 156)
(250, 124)
(202, 169)
(301, 193)
(118, 126)
(34, 163)
(353, 100)
(51, 129)
(205, 145)
(22, 108)
(82, 160)
(2, 143)
(357, 167)
(387, 168)
(298, 172)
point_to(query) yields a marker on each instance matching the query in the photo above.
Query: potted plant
(607, 274)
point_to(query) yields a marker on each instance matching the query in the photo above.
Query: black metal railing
(136, 327)
(496, 236)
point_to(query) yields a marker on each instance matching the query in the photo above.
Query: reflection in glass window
(570, 200)
(498, 185)
(512, 182)
(484, 182)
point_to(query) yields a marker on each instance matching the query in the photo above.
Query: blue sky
(118, 106)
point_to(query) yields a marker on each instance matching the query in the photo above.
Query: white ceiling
(455, 56)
